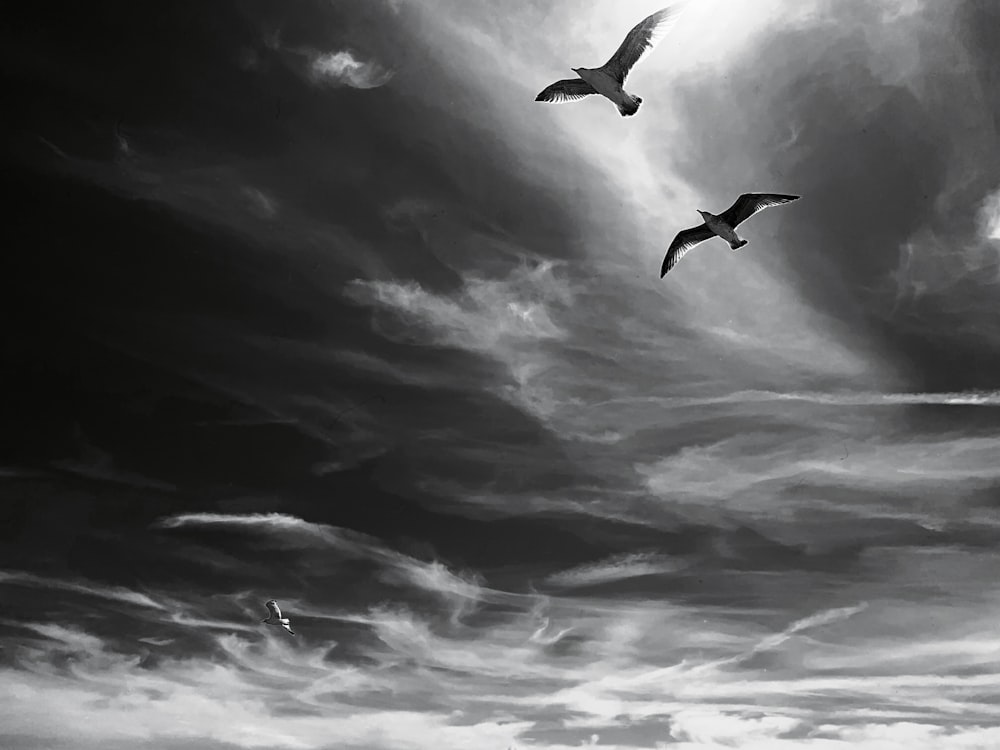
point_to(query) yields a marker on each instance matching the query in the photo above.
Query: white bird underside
(610, 77)
(274, 616)
(742, 209)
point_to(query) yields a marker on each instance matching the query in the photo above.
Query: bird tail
(630, 106)
(738, 244)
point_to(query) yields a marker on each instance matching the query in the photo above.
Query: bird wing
(684, 241)
(750, 203)
(272, 607)
(288, 627)
(566, 91)
(639, 42)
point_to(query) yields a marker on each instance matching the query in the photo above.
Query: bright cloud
(342, 68)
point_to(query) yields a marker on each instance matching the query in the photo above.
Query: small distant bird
(274, 616)
(724, 225)
(609, 79)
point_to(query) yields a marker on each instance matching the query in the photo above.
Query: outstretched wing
(683, 242)
(566, 91)
(750, 203)
(640, 42)
(272, 607)
(288, 627)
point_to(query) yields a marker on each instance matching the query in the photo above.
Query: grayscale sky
(312, 301)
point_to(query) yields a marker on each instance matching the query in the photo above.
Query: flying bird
(724, 225)
(274, 616)
(609, 79)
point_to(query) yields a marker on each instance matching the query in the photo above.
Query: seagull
(724, 225)
(274, 616)
(609, 79)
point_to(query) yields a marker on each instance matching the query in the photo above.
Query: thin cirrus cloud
(487, 314)
(290, 531)
(508, 319)
(86, 588)
(706, 693)
(842, 398)
(193, 701)
(618, 568)
(847, 476)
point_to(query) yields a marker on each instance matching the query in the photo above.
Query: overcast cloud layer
(313, 302)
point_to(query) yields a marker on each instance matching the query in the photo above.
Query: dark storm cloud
(885, 124)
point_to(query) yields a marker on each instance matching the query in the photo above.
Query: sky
(314, 302)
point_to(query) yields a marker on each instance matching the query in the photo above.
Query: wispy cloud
(261, 201)
(498, 681)
(841, 398)
(70, 637)
(816, 620)
(342, 68)
(156, 641)
(231, 702)
(87, 588)
(278, 522)
(433, 577)
(764, 472)
(486, 314)
(617, 568)
(508, 319)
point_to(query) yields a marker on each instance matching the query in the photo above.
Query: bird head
(704, 214)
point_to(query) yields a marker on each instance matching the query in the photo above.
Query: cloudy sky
(312, 301)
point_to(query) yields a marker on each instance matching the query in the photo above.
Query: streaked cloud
(183, 700)
(843, 398)
(508, 319)
(86, 588)
(617, 569)
(651, 667)
(291, 531)
(486, 314)
(278, 522)
(265, 204)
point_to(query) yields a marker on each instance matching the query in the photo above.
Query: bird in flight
(609, 79)
(274, 616)
(724, 225)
